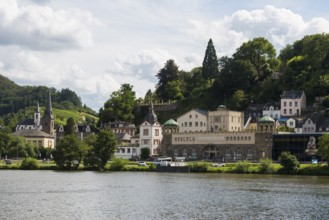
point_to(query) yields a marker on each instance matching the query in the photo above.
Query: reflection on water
(139, 195)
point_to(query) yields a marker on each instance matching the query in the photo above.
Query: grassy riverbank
(204, 167)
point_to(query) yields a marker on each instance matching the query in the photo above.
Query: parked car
(218, 164)
(142, 163)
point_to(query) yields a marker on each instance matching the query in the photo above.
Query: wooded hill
(255, 73)
(19, 102)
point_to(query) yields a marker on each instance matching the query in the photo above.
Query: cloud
(42, 28)
(144, 64)
(279, 25)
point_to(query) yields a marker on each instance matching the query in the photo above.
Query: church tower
(48, 118)
(150, 132)
(37, 116)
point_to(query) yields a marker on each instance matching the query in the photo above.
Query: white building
(31, 124)
(272, 110)
(150, 133)
(292, 103)
(193, 121)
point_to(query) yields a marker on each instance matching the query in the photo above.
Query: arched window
(184, 153)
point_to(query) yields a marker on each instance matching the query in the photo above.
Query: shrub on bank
(198, 166)
(151, 167)
(314, 170)
(118, 164)
(243, 166)
(266, 166)
(289, 163)
(29, 164)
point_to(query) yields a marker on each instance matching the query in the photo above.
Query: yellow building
(37, 137)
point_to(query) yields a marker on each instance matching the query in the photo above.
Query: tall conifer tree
(210, 63)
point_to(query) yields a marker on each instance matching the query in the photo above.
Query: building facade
(193, 121)
(225, 120)
(150, 133)
(292, 103)
(221, 146)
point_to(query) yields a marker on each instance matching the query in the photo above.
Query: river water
(145, 195)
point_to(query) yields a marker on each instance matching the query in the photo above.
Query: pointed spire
(37, 109)
(49, 109)
(151, 116)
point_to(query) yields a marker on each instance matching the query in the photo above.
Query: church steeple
(151, 116)
(48, 118)
(49, 109)
(37, 116)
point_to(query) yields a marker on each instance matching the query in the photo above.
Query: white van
(163, 161)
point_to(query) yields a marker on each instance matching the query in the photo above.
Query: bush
(266, 166)
(243, 166)
(29, 164)
(289, 163)
(118, 164)
(198, 166)
(152, 167)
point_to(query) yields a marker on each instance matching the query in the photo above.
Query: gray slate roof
(32, 133)
(292, 94)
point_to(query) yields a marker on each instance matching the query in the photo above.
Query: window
(184, 153)
(157, 132)
(290, 104)
(296, 104)
(196, 116)
(291, 123)
(190, 116)
(284, 111)
(185, 124)
(190, 124)
(134, 150)
(128, 150)
(284, 104)
(290, 111)
(196, 124)
(232, 119)
(193, 152)
(123, 150)
(145, 132)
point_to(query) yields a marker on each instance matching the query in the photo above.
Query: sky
(93, 47)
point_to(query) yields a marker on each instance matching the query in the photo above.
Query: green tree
(69, 127)
(69, 152)
(145, 153)
(173, 89)
(210, 63)
(5, 139)
(120, 106)
(149, 96)
(323, 149)
(19, 148)
(70, 96)
(261, 55)
(239, 100)
(288, 162)
(167, 74)
(105, 147)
